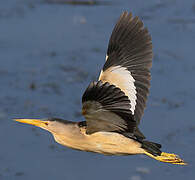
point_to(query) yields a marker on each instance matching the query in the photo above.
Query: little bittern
(114, 105)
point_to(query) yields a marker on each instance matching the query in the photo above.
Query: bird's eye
(46, 123)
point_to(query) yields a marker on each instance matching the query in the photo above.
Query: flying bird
(114, 104)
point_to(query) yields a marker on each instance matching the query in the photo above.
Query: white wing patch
(121, 78)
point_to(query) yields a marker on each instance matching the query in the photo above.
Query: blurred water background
(50, 50)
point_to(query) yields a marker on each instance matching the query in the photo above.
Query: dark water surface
(49, 52)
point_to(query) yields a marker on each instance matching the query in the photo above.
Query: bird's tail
(153, 150)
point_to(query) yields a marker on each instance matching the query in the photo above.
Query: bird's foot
(168, 158)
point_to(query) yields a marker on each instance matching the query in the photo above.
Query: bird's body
(113, 106)
(107, 143)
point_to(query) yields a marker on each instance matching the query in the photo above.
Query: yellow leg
(167, 158)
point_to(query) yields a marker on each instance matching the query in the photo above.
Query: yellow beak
(34, 122)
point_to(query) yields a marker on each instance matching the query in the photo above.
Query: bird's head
(53, 125)
(64, 132)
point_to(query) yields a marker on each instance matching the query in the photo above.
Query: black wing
(128, 61)
(107, 108)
